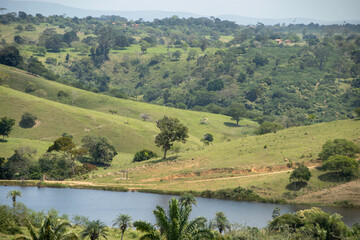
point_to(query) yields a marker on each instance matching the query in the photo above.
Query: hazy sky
(318, 9)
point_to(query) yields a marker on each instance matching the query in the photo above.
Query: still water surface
(106, 205)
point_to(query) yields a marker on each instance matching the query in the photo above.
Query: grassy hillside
(244, 162)
(8, 147)
(55, 119)
(199, 123)
(234, 159)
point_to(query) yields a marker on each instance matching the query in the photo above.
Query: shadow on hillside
(3, 140)
(164, 160)
(331, 177)
(296, 186)
(230, 124)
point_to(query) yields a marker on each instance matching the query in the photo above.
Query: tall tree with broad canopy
(68, 148)
(99, 149)
(6, 125)
(237, 112)
(171, 130)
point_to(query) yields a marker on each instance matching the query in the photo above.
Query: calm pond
(106, 205)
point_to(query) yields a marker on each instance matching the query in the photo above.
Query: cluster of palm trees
(175, 224)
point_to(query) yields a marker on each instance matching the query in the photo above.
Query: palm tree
(95, 230)
(221, 222)
(51, 229)
(13, 194)
(123, 221)
(151, 232)
(175, 224)
(187, 199)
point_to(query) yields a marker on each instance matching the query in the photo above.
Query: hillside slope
(199, 123)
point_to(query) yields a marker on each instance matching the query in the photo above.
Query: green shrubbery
(268, 127)
(313, 223)
(238, 193)
(144, 155)
(27, 120)
(348, 167)
(339, 147)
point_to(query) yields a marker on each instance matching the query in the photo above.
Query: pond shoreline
(91, 186)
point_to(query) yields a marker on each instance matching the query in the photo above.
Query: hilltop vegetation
(294, 75)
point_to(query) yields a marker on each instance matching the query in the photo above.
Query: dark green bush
(144, 155)
(348, 167)
(339, 147)
(27, 120)
(268, 127)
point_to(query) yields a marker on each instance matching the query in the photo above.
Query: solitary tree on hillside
(237, 111)
(6, 125)
(13, 194)
(171, 130)
(300, 174)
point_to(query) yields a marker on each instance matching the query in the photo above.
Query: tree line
(172, 224)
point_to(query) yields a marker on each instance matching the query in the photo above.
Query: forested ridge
(292, 74)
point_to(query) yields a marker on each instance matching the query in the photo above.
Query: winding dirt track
(245, 176)
(83, 183)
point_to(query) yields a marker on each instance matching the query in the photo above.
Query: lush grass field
(199, 123)
(10, 144)
(222, 165)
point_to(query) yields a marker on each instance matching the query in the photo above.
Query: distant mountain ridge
(47, 9)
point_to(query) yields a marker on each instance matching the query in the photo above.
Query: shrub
(268, 127)
(348, 167)
(339, 147)
(144, 155)
(30, 87)
(8, 221)
(301, 174)
(27, 120)
(287, 221)
(322, 225)
(85, 168)
(207, 139)
(61, 94)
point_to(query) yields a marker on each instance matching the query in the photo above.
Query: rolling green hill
(234, 159)
(199, 123)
